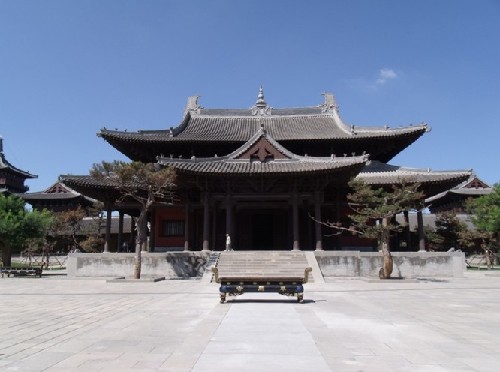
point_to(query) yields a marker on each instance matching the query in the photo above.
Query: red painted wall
(168, 213)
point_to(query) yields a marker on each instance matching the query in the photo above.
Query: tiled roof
(466, 188)
(321, 122)
(377, 173)
(89, 181)
(57, 191)
(41, 196)
(99, 189)
(5, 165)
(287, 163)
(245, 167)
(228, 128)
(317, 131)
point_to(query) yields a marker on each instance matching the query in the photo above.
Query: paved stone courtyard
(59, 324)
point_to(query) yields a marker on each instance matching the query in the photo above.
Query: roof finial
(1, 144)
(261, 108)
(192, 105)
(330, 104)
(261, 103)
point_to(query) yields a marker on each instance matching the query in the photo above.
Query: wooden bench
(278, 272)
(21, 271)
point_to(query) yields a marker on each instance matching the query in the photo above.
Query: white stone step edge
(313, 264)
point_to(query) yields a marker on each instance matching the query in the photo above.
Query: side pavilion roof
(12, 178)
(57, 191)
(8, 167)
(104, 189)
(470, 188)
(290, 126)
(433, 182)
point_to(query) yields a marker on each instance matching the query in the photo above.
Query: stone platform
(196, 264)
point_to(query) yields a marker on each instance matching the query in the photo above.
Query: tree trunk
(47, 263)
(138, 261)
(386, 271)
(6, 254)
(140, 242)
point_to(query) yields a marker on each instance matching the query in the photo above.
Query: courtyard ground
(60, 324)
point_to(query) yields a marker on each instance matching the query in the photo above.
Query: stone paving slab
(55, 324)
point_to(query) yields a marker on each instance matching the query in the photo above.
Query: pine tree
(145, 183)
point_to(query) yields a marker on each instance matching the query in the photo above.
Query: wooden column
(206, 223)
(131, 245)
(317, 225)
(120, 231)
(152, 231)
(107, 239)
(229, 219)
(407, 230)
(186, 226)
(213, 226)
(421, 235)
(337, 218)
(295, 219)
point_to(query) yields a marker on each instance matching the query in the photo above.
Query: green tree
(19, 226)
(485, 211)
(450, 230)
(373, 210)
(145, 183)
(70, 228)
(433, 239)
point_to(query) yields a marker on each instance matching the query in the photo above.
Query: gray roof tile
(291, 163)
(377, 173)
(5, 165)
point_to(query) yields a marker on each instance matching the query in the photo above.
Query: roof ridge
(5, 164)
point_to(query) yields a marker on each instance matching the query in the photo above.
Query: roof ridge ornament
(192, 105)
(261, 107)
(329, 106)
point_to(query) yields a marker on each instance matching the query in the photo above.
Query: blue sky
(69, 68)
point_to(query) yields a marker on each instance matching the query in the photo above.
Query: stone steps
(208, 275)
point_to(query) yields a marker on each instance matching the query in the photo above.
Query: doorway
(263, 231)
